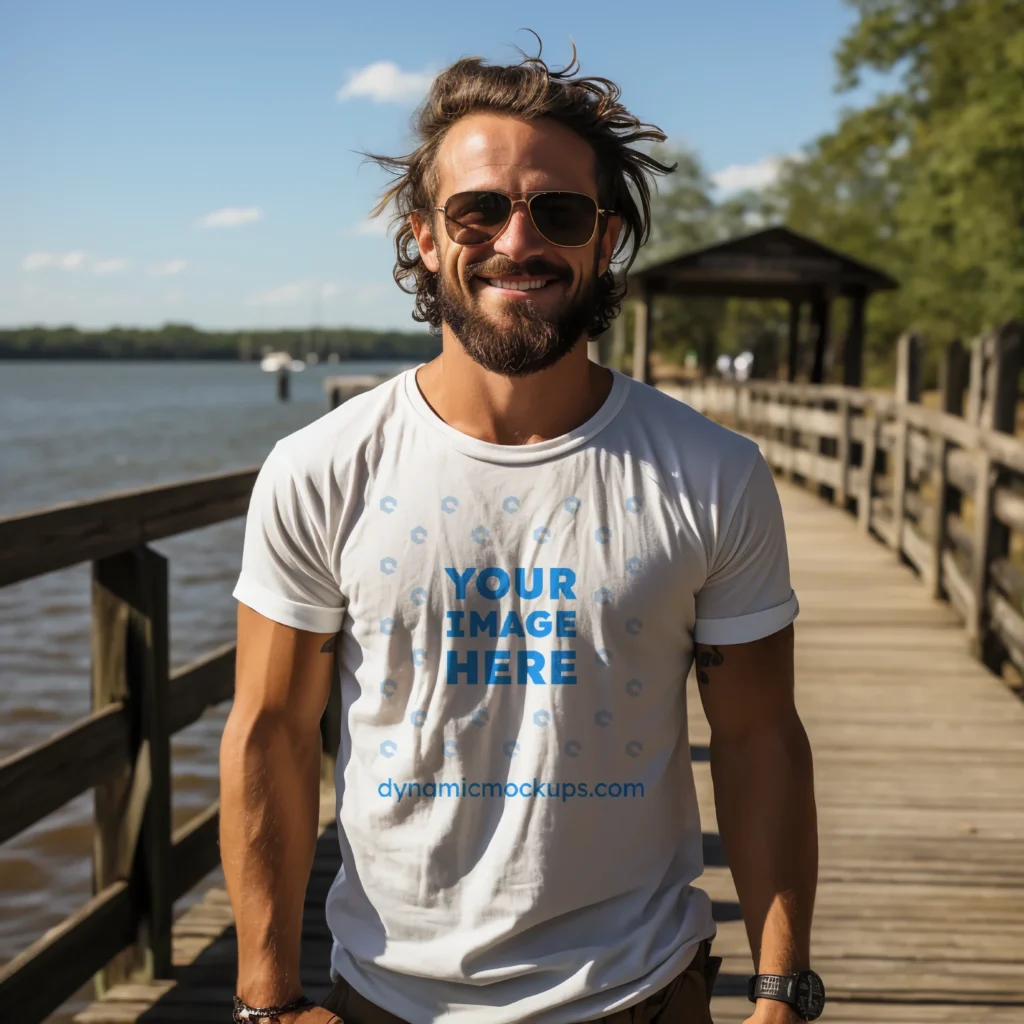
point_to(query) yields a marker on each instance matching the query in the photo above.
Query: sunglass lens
(565, 218)
(473, 218)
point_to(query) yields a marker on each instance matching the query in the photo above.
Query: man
(513, 555)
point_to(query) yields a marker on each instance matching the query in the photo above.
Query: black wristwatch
(803, 991)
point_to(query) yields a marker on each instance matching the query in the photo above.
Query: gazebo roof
(775, 263)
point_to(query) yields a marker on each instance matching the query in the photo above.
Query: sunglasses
(567, 219)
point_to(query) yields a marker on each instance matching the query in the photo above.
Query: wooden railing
(944, 488)
(122, 749)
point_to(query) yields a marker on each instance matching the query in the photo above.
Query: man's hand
(270, 798)
(764, 795)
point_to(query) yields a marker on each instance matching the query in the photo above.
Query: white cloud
(112, 266)
(231, 217)
(65, 261)
(168, 269)
(371, 226)
(297, 292)
(283, 295)
(738, 177)
(385, 82)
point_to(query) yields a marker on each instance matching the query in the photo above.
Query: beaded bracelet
(244, 1012)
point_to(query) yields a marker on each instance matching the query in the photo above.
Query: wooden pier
(902, 523)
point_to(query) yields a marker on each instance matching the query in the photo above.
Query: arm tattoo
(330, 645)
(707, 657)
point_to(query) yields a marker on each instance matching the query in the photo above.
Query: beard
(520, 340)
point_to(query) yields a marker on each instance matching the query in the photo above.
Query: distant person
(513, 556)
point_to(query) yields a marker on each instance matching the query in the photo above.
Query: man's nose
(520, 239)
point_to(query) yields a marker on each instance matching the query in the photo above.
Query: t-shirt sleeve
(286, 573)
(747, 594)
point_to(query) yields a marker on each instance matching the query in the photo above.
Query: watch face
(810, 995)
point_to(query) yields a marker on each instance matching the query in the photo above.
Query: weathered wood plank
(40, 978)
(39, 780)
(199, 685)
(34, 543)
(195, 850)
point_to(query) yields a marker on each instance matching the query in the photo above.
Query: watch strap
(773, 986)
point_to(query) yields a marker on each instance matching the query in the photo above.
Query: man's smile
(517, 286)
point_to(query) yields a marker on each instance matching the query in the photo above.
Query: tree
(928, 180)
(685, 215)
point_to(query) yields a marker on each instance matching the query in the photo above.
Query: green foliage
(927, 182)
(686, 215)
(183, 341)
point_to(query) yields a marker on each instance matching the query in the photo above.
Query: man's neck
(513, 410)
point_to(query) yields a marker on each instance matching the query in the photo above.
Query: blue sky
(196, 161)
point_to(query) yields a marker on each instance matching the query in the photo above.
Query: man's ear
(422, 229)
(608, 241)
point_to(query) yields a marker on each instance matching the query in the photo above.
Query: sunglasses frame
(527, 198)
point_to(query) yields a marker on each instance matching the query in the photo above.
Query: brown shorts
(686, 999)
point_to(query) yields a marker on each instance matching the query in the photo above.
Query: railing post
(643, 326)
(130, 640)
(869, 455)
(908, 390)
(1002, 360)
(841, 494)
(953, 375)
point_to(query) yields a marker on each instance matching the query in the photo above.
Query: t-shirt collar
(510, 454)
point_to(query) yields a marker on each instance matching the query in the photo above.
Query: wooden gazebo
(776, 263)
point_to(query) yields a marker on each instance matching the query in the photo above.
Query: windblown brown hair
(528, 90)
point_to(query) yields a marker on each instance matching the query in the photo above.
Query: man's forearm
(268, 826)
(764, 795)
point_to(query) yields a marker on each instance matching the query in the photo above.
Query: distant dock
(344, 386)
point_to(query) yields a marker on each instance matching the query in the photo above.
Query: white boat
(274, 361)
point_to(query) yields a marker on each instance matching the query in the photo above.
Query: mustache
(506, 268)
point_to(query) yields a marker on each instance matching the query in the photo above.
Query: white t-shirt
(517, 814)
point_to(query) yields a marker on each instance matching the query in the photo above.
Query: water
(79, 430)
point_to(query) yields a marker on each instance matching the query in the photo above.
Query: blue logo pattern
(602, 596)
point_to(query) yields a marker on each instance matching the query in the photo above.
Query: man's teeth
(521, 286)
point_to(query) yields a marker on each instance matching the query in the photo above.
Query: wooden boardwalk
(919, 760)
